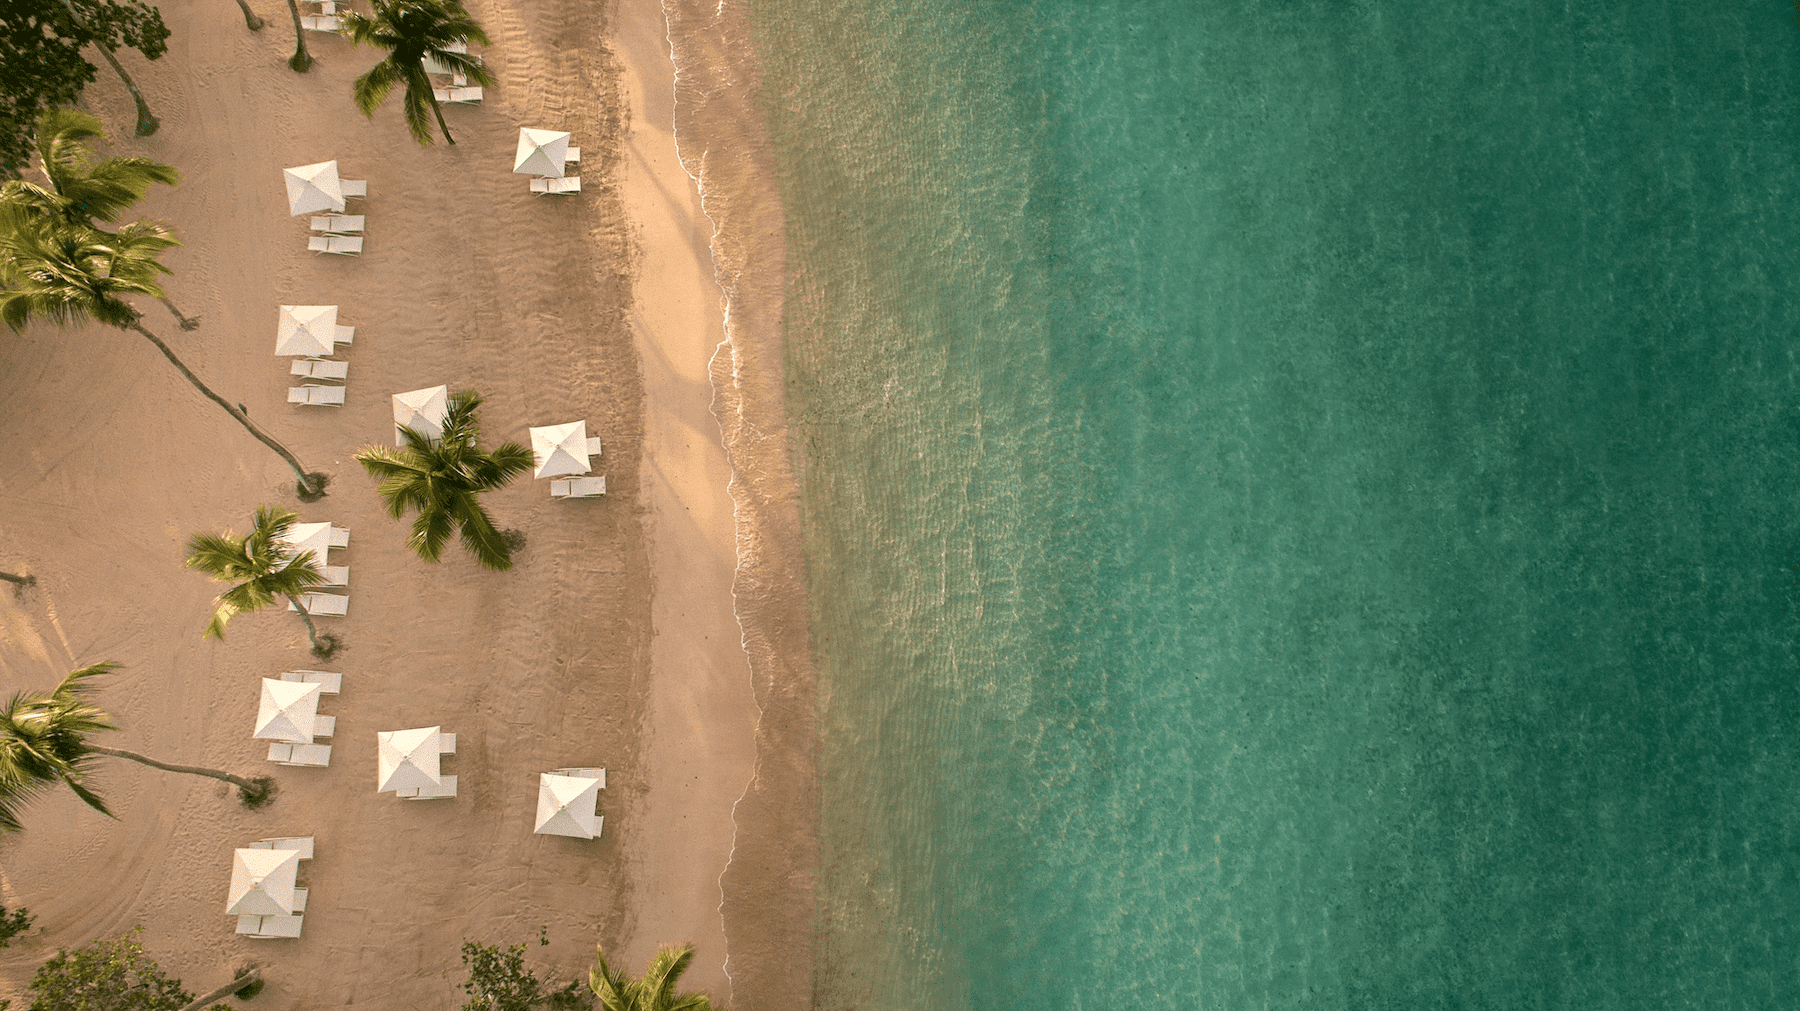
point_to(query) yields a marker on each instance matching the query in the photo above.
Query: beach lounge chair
(316, 756)
(554, 187)
(578, 487)
(572, 157)
(330, 683)
(343, 245)
(338, 224)
(354, 187)
(316, 396)
(446, 743)
(320, 22)
(325, 6)
(324, 726)
(335, 575)
(593, 445)
(270, 926)
(459, 96)
(320, 368)
(316, 604)
(345, 335)
(340, 537)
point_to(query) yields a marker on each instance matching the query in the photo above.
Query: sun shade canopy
(568, 805)
(314, 188)
(407, 759)
(289, 711)
(423, 411)
(262, 882)
(560, 449)
(541, 152)
(306, 330)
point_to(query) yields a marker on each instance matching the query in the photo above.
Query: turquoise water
(1300, 499)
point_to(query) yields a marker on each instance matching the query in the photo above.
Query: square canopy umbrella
(423, 411)
(541, 152)
(288, 711)
(568, 805)
(560, 449)
(407, 758)
(306, 331)
(314, 188)
(313, 537)
(262, 882)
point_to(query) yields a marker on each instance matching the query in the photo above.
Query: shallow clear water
(1300, 497)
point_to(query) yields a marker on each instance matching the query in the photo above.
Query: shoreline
(768, 891)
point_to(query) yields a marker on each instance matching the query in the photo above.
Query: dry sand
(612, 642)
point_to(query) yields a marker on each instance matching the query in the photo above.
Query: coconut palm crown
(411, 31)
(440, 479)
(259, 564)
(83, 189)
(43, 743)
(655, 991)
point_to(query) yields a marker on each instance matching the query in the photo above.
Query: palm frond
(371, 89)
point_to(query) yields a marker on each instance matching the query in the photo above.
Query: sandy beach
(612, 642)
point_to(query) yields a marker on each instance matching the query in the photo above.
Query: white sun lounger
(320, 22)
(325, 6)
(302, 844)
(599, 774)
(459, 96)
(593, 445)
(338, 224)
(340, 537)
(316, 396)
(578, 487)
(446, 743)
(320, 368)
(346, 335)
(324, 726)
(567, 184)
(572, 156)
(332, 604)
(354, 187)
(316, 756)
(335, 575)
(343, 245)
(330, 683)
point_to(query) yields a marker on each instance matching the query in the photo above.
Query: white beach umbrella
(560, 449)
(568, 805)
(407, 758)
(313, 188)
(262, 882)
(306, 330)
(423, 411)
(289, 711)
(313, 537)
(541, 152)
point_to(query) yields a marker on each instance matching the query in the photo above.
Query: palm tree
(82, 189)
(251, 21)
(411, 31)
(654, 992)
(19, 580)
(44, 742)
(263, 572)
(67, 275)
(146, 124)
(441, 477)
(302, 60)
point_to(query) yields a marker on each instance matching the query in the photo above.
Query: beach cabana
(541, 152)
(568, 802)
(262, 882)
(407, 763)
(558, 450)
(289, 711)
(314, 188)
(423, 411)
(309, 331)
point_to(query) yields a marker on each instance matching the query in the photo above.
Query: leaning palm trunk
(253, 792)
(251, 21)
(20, 580)
(250, 978)
(302, 60)
(310, 487)
(187, 322)
(146, 124)
(322, 650)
